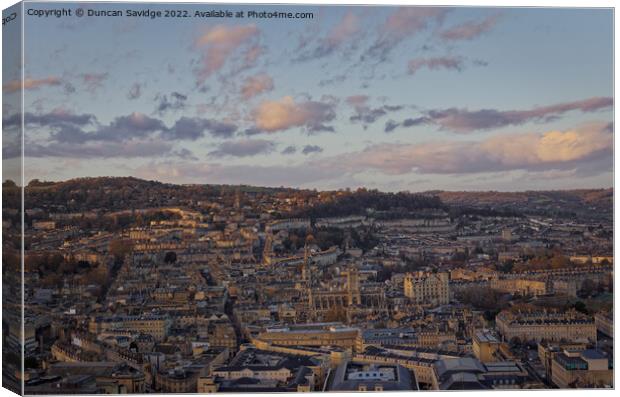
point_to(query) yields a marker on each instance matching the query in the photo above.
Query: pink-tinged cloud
(552, 150)
(93, 81)
(220, 42)
(435, 63)
(357, 100)
(584, 150)
(285, 113)
(410, 20)
(348, 27)
(345, 31)
(466, 121)
(29, 84)
(471, 29)
(256, 85)
(463, 120)
(403, 23)
(252, 54)
(257, 175)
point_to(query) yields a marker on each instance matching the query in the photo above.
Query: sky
(385, 97)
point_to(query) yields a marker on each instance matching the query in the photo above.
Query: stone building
(427, 288)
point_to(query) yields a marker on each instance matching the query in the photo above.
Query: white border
(485, 3)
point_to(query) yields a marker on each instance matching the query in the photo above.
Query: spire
(306, 265)
(238, 198)
(306, 276)
(304, 269)
(267, 251)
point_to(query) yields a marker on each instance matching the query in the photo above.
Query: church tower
(268, 249)
(306, 276)
(353, 287)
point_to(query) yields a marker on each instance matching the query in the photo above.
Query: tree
(489, 315)
(588, 287)
(119, 248)
(581, 307)
(170, 257)
(31, 362)
(559, 261)
(507, 266)
(482, 298)
(384, 274)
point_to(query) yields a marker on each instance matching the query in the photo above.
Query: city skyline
(414, 98)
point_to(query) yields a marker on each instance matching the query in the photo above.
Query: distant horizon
(317, 189)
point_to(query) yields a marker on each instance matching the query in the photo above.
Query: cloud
(308, 149)
(316, 128)
(184, 153)
(30, 84)
(176, 102)
(252, 131)
(357, 100)
(58, 117)
(348, 27)
(256, 85)
(135, 91)
(243, 148)
(130, 126)
(278, 115)
(332, 80)
(364, 113)
(70, 133)
(436, 63)
(552, 150)
(415, 122)
(66, 127)
(462, 120)
(391, 125)
(471, 29)
(289, 150)
(69, 88)
(220, 42)
(194, 128)
(345, 30)
(465, 121)
(127, 149)
(133, 135)
(252, 53)
(368, 115)
(93, 81)
(586, 150)
(401, 24)
(481, 62)
(256, 175)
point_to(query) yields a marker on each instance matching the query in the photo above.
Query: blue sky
(384, 97)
